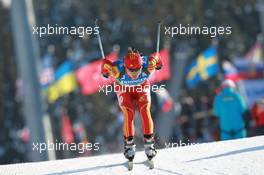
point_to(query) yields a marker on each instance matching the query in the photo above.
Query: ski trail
(242, 156)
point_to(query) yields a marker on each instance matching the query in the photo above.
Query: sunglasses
(134, 70)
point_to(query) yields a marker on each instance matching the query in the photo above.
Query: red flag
(90, 78)
(66, 130)
(164, 72)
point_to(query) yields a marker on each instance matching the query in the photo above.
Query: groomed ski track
(235, 157)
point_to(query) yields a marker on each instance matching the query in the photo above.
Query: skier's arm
(109, 69)
(154, 63)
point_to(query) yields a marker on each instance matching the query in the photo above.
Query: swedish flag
(205, 66)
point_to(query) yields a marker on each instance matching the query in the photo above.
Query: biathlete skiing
(134, 71)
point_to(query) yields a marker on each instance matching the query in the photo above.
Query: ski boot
(150, 150)
(130, 150)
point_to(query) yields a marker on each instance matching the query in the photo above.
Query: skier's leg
(128, 131)
(128, 123)
(129, 148)
(143, 103)
(127, 106)
(149, 146)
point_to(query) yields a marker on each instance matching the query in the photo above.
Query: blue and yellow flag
(65, 82)
(205, 66)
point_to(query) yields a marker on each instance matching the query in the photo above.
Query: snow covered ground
(236, 157)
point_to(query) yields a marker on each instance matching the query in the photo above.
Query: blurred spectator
(229, 107)
(258, 116)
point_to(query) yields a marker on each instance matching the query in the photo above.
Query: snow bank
(242, 156)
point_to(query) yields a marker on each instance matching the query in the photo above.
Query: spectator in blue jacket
(229, 106)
